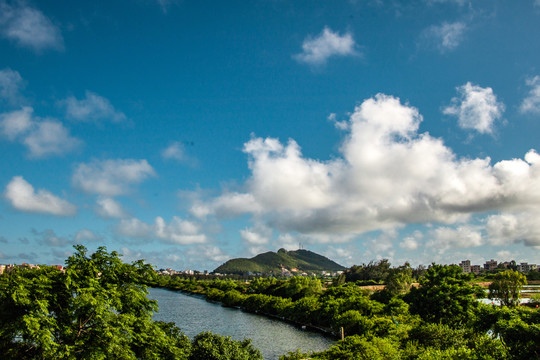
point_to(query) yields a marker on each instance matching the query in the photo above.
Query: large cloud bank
(389, 175)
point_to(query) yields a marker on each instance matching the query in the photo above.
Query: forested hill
(271, 262)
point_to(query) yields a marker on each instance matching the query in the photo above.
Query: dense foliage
(506, 287)
(96, 309)
(439, 319)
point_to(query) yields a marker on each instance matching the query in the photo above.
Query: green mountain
(271, 262)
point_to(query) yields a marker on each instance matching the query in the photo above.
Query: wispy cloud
(11, 84)
(174, 151)
(177, 231)
(92, 108)
(29, 27)
(15, 123)
(477, 108)
(109, 208)
(111, 177)
(458, 2)
(317, 50)
(531, 104)
(447, 36)
(23, 197)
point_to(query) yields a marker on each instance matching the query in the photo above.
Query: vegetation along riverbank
(98, 308)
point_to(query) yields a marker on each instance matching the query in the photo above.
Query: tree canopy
(96, 309)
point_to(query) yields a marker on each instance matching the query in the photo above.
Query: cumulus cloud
(412, 242)
(92, 108)
(174, 151)
(477, 108)
(177, 231)
(446, 36)
(11, 83)
(23, 197)
(16, 123)
(109, 208)
(388, 175)
(506, 228)
(258, 235)
(531, 104)
(41, 137)
(29, 27)
(464, 236)
(50, 137)
(317, 50)
(111, 177)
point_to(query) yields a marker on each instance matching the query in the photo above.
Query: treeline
(439, 319)
(97, 309)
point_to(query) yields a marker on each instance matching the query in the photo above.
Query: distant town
(466, 266)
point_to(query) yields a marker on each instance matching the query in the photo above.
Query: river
(194, 315)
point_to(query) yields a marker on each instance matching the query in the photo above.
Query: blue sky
(190, 132)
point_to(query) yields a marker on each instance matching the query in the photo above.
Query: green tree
(208, 346)
(96, 309)
(444, 295)
(399, 280)
(506, 287)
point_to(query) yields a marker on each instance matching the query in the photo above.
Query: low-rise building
(465, 265)
(525, 267)
(490, 265)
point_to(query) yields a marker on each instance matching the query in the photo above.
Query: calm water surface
(194, 315)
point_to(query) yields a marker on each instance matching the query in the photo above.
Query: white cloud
(341, 125)
(388, 175)
(507, 228)
(92, 108)
(50, 137)
(28, 27)
(41, 137)
(412, 242)
(258, 235)
(537, 3)
(531, 104)
(11, 84)
(190, 257)
(178, 231)
(463, 236)
(23, 197)
(109, 208)
(174, 151)
(476, 108)
(316, 51)
(447, 36)
(86, 235)
(16, 123)
(111, 177)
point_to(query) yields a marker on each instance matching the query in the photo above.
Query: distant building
(476, 269)
(525, 267)
(490, 265)
(465, 265)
